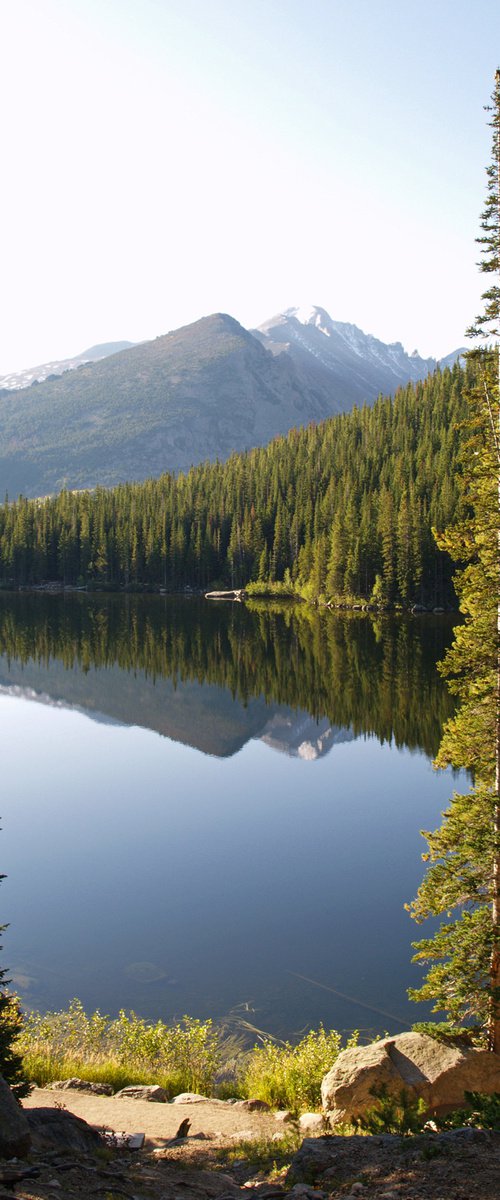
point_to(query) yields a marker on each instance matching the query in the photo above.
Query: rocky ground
(232, 1151)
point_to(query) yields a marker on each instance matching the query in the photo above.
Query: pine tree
(11, 1063)
(464, 873)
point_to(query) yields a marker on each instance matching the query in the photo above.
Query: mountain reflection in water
(213, 677)
(159, 857)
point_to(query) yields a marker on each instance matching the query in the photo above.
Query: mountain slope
(197, 393)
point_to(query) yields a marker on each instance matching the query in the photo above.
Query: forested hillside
(343, 509)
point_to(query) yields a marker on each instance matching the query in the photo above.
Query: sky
(166, 159)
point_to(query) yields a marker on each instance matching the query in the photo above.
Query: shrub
(288, 1076)
(126, 1049)
(403, 1114)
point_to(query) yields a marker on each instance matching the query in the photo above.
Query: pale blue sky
(164, 159)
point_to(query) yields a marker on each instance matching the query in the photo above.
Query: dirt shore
(214, 1118)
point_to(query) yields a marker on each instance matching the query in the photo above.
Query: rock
(336, 1157)
(267, 1191)
(200, 1185)
(304, 1192)
(14, 1128)
(284, 1115)
(439, 1073)
(15, 1173)
(336, 1160)
(253, 1105)
(190, 1098)
(82, 1085)
(56, 1129)
(312, 1123)
(139, 1091)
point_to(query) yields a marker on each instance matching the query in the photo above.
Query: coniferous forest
(342, 510)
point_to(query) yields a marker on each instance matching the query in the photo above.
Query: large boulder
(14, 1128)
(439, 1073)
(56, 1129)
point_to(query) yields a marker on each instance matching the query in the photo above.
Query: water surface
(216, 811)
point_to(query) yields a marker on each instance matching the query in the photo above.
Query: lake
(214, 809)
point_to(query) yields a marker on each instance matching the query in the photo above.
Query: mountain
(197, 393)
(23, 379)
(341, 358)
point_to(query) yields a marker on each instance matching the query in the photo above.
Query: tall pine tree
(463, 878)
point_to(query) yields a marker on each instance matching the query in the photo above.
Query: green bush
(403, 1114)
(126, 1049)
(288, 1076)
(483, 1112)
(184, 1057)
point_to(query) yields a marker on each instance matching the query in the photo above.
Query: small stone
(190, 1098)
(312, 1123)
(284, 1115)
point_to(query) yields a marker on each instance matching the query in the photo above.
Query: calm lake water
(216, 811)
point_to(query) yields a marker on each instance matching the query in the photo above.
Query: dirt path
(214, 1118)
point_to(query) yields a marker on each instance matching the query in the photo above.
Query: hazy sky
(165, 159)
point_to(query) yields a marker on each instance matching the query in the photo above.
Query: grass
(289, 1076)
(184, 1057)
(189, 1056)
(270, 1155)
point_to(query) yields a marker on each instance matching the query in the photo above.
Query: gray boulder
(439, 1073)
(82, 1085)
(56, 1129)
(139, 1091)
(14, 1128)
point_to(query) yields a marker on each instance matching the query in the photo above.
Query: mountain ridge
(197, 393)
(358, 363)
(16, 380)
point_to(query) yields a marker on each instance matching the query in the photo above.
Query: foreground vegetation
(188, 1056)
(194, 1055)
